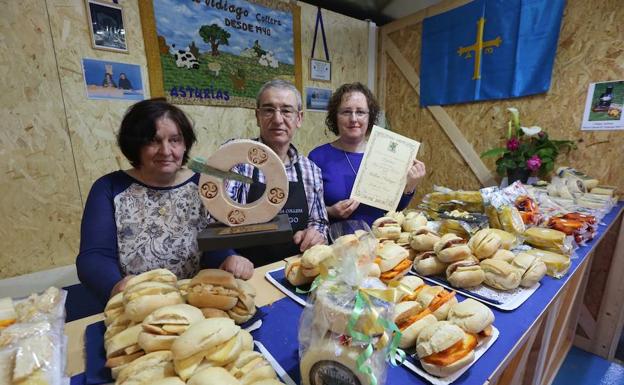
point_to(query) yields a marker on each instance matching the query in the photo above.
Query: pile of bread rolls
(154, 336)
(485, 258)
(443, 331)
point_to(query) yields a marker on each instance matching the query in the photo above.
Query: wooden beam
(611, 317)
(417, 17)
(383, 68)
(587, 322)
(542, 356)
(448, 125)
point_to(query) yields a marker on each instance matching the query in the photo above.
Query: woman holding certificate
(351, 114)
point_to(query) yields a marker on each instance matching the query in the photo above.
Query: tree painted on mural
(215, 36)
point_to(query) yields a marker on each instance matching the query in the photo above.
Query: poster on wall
(603, 106)
(218, 52)
(317, 99)
(112, 80)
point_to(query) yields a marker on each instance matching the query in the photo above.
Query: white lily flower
(531, 131)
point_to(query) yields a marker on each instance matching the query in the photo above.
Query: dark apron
(296, 208)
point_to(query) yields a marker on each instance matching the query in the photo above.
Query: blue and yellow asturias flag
(489, 49)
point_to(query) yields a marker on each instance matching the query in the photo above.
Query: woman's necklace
(349, 161)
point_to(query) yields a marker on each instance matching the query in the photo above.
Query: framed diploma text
(381, 178)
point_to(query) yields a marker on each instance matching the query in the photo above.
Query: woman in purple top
(351, 114)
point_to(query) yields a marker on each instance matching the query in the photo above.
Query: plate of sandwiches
(480, 268)
(441, 336)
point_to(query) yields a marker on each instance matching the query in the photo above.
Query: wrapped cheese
(548, 239)
(557, 265)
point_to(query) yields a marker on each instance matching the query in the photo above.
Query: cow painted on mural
(184, 58)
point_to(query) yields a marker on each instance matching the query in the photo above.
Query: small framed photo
(320, 70)
(106, 24)
(112, 80)
(317, 99)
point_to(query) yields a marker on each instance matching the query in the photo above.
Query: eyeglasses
(269, 112)
(348, 113)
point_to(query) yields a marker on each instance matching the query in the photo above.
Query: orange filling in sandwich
(454, 353)
(440, 299)
(412, 297)
(410, 320)
(402, 266)
(6, 322)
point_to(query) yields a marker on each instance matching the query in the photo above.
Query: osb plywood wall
(55, 142)
(591, 48)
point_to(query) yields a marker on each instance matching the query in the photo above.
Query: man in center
(279, 114)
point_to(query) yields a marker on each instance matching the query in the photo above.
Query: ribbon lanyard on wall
(320, 69)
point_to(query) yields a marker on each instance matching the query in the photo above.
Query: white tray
(507, 300)
(479, 350)
(283, 288)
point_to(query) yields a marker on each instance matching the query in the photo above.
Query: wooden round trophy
(242, 225)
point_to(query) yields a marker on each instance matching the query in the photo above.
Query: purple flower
(513, 144)
(534, 163)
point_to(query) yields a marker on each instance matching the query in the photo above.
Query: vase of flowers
(528, 150)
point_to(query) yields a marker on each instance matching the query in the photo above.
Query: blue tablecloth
(280, 325)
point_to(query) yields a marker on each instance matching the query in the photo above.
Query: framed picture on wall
(106, 25)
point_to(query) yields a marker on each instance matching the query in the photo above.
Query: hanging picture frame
(320, 70)
(106, 26)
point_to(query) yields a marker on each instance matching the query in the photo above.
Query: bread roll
(470, 315)
(427, 264)
(386, 228)
(504, 255)
(313, 257)
(451, 248)
(213, 288)
(213, 376)
(294, 273)
(423, 239)
(202, 336)
(429, 294)
(164, 325)
(414, 220)
(484, 244)
(500, 274)
(156, 275)
(438, 337)
(533, 269)
(465, 273)
(145, 297)
(146, 369)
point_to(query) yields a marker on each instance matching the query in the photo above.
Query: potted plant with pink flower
(528, 150)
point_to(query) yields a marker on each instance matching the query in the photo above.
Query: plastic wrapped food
(557, 265)
(549, 239)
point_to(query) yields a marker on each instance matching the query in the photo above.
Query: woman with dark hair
(351, 114)
(148, 216)
(108, 81)
(124, 82)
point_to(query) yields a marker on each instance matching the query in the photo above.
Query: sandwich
(210, 312)
(386, 228)
(164, 325)
(427, 264)
(556, 264)
(444, 348)
(183, 286)
(398, 216)
(114, 308)
(504, 255)
(122, 349)
(484, 244)
(411, 318)
(147, 369)
(7, 312)
(214, 288)
(169, 381)
(313, 257)
(413, 285)
(118, 325)
(500, 274)
(156, 275)
(145, 297)
(423, 239)
(465, 273)
(532, 268)
(251, 367)
(437, 300)
(213, 376)
(392, 260)
(508, 240)
(209, 342)
(294, 273)
(473, 317)
(245, 307)
(451, 248)
(414, 220)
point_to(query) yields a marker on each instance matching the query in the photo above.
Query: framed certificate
(381, 178)
(320, 70)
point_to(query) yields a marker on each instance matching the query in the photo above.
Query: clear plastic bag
(342, 333)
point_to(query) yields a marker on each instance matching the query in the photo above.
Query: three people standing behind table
(351, 114)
